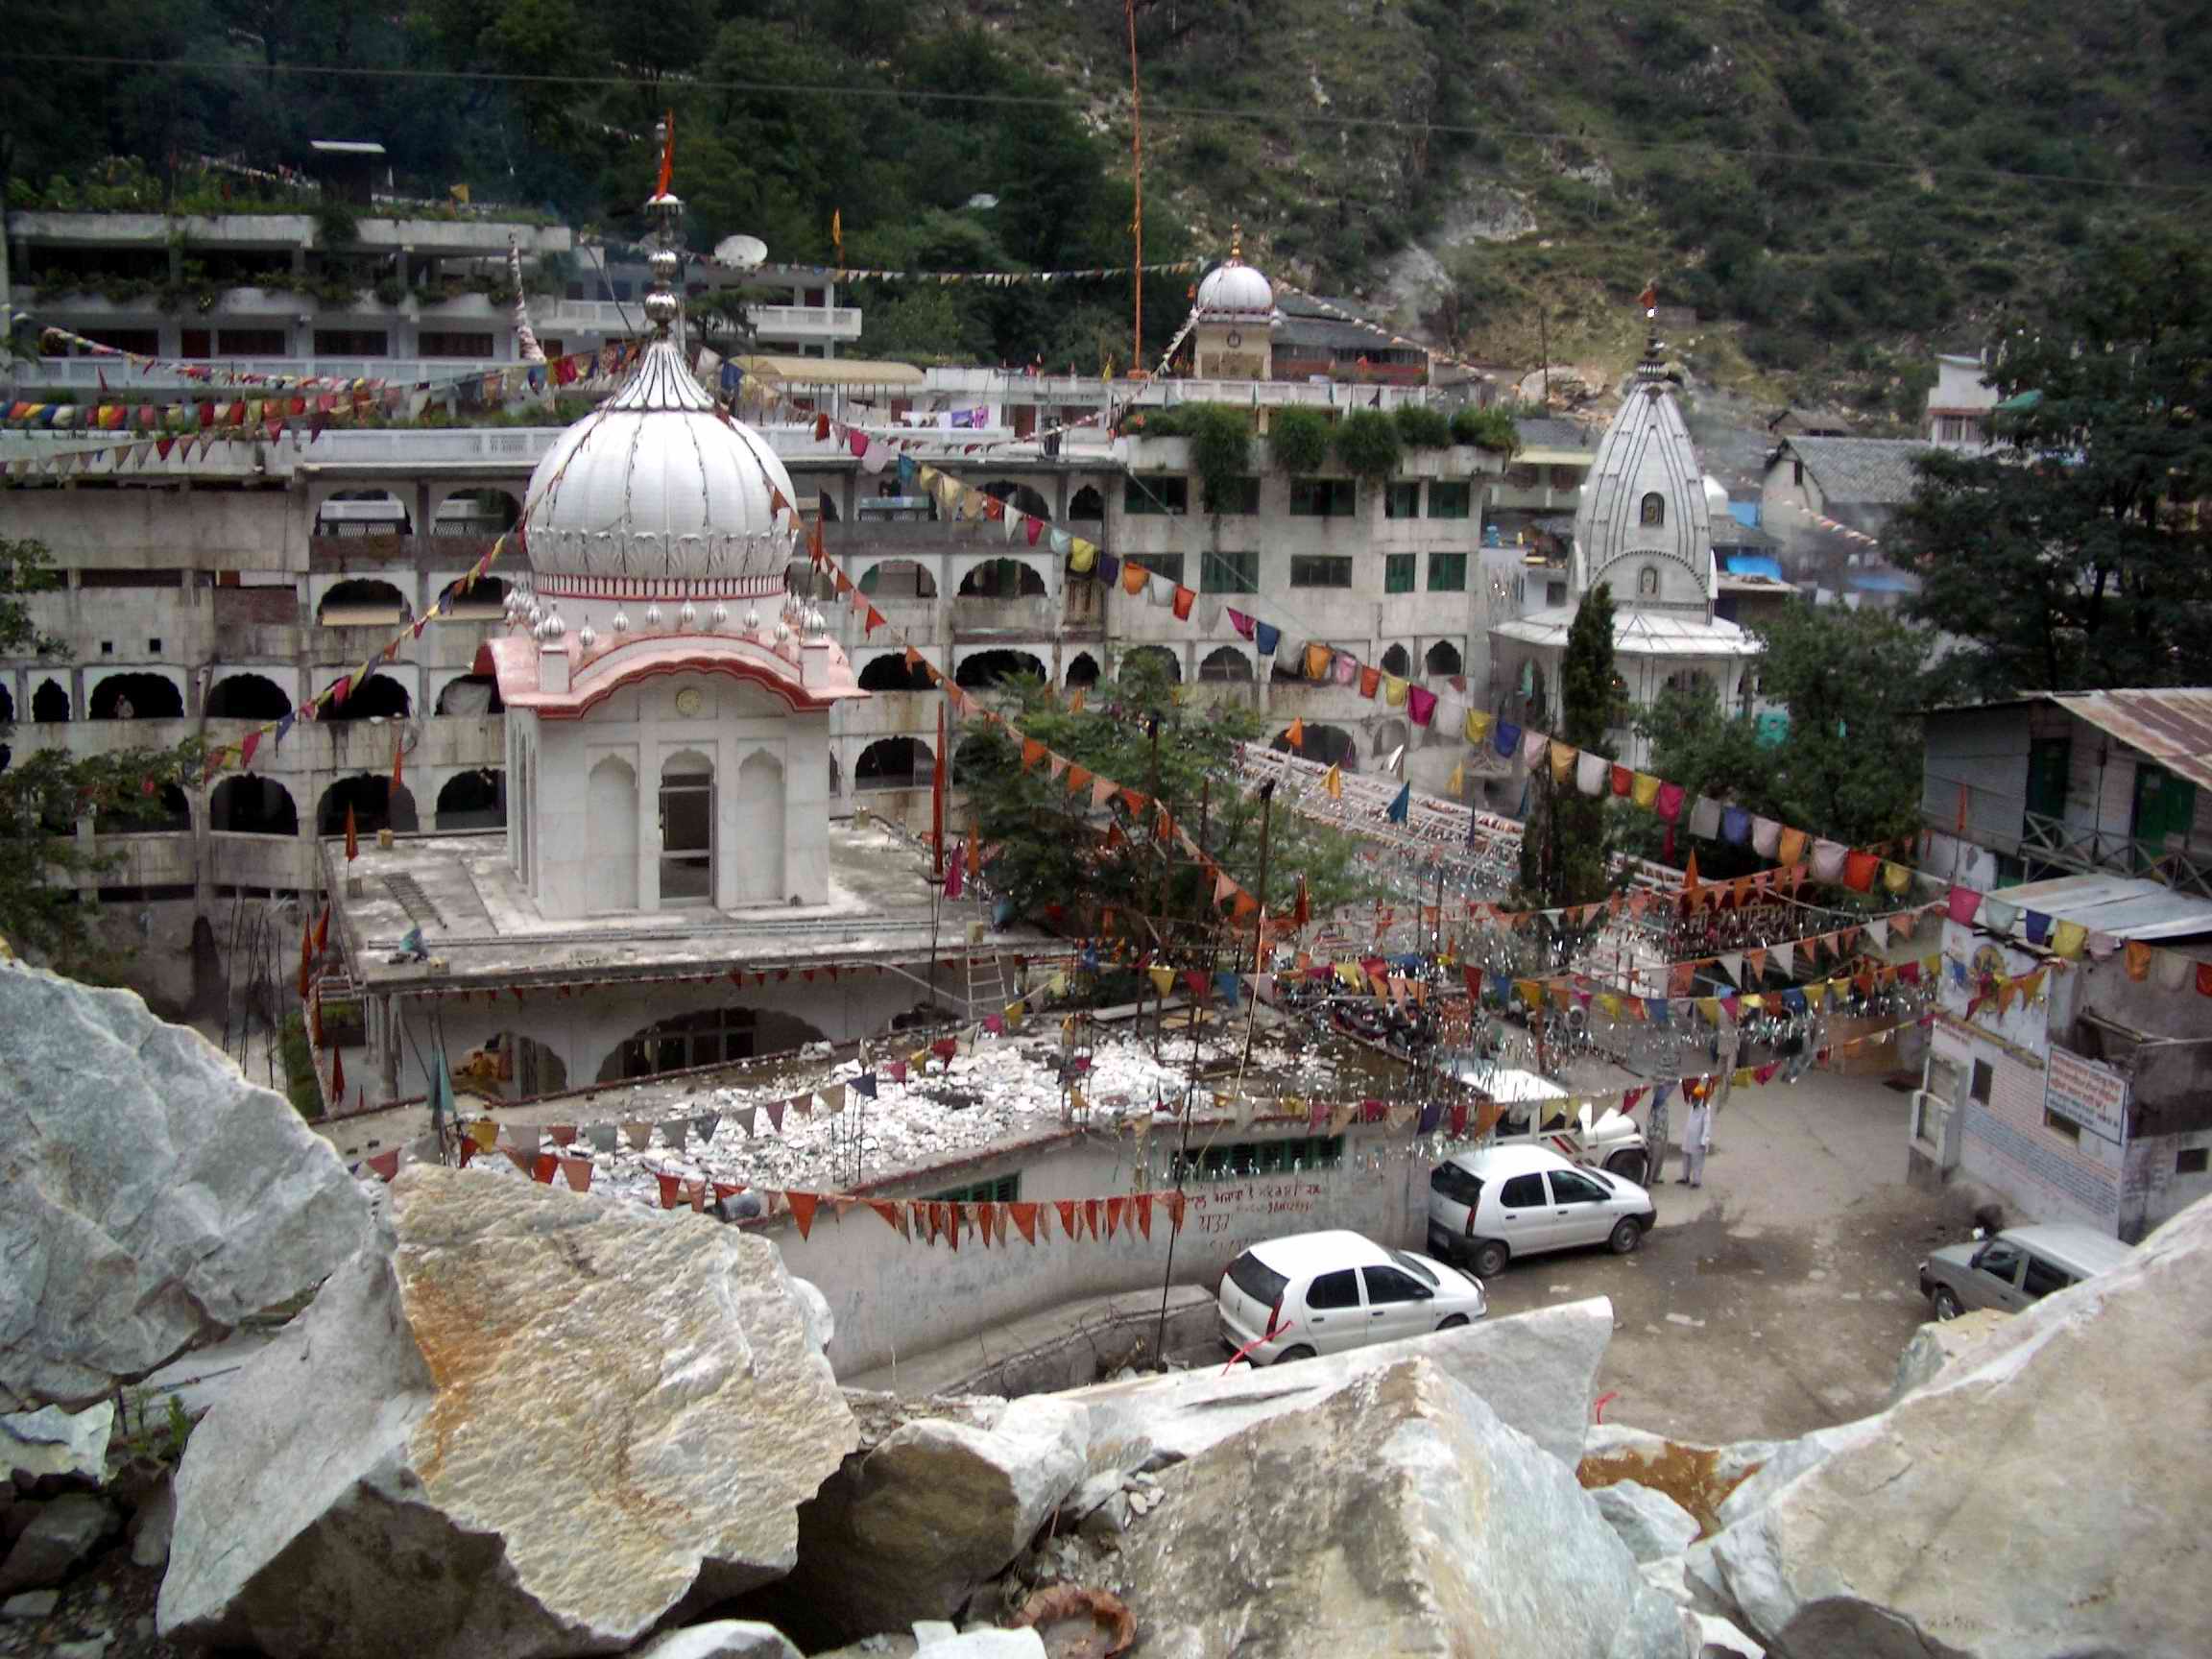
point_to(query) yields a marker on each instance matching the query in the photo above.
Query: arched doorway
(362, 513)
(1087, 503)
(1082, 670)
(1326, 745)
(247, 697)
(1225, 662)
(1390, 736)
(471, 694)
(984, 670)
(476, 513)
(361, 602)
(380, 695)
(254, 806)
(898, 579)
(138, 697)
(50, 704)
(711, 1037)
(1442, 660)
(892, 763)
(891, 673)
(376, 805)
(1020, 497)
(474, 799)
(1152, 661)
(687, 830)
(761, 829)
(1003, 579)
(611, 812)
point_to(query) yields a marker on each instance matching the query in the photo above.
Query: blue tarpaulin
(1753, 565)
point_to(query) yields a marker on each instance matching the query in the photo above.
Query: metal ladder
(990, 986)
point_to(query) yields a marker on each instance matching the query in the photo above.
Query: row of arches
(368, 601)
(247, 697)
(1224, 664)
(252, 804)
(477, 511)
(688, 818)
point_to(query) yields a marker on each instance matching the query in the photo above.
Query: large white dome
(657, 488)
(1236, 290)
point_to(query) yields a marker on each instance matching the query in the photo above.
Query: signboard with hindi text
(2087, 1093)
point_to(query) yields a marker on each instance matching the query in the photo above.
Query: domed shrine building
(669, 889)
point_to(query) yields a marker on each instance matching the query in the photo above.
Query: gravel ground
(1775, 1298)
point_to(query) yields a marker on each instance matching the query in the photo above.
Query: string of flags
(841, 272)
(1338, 313)
(2068, 941)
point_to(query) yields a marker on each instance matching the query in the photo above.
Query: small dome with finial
(1235, 290)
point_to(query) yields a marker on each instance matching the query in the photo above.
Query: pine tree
(1563, 846)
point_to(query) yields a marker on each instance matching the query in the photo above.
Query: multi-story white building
(222, 585)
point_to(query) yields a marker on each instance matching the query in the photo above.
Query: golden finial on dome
(1237, 244)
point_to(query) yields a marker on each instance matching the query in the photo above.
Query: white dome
(659, 486)
(1235, 289)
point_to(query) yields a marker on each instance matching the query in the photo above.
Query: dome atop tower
(659, 486)
(1233, 290)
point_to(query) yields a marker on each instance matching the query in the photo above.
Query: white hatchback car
(1323, 1292)
(1490, 1205)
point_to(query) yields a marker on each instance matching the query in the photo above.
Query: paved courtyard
(1775, 1299)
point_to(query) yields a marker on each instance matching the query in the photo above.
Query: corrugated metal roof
(2172, 726)
(2123, 906)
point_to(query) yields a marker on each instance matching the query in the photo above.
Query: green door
(2049, 759)
(2164, 806)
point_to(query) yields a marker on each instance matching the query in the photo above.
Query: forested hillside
(1842, 184)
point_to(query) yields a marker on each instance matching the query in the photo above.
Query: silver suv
(2018, 1266)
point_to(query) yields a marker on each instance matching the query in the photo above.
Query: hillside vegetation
(1839, 183)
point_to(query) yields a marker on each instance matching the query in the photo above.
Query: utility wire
(1017, 100)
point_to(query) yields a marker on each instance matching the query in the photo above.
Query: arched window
(471, 694)
(476, 513)
(1082, 670)
(985, 669)
(610, 810)
(1087, 503)
(360, 602)
(1003, 579)
(380, 695)
(248, 697)
(1019, 496)
(1648, 582)
(761, 829)
(1654, 511)
(1327, 745)
(687, 830)
(1225, 662)
(136, 697)
(898, 579)
(1156, 661)
(376, 805)
(50, 704)
(892, 763)
(254, 806)
(474, 799)
(168, 814)
(1443, 659)
(889, 672)
(1395, 661)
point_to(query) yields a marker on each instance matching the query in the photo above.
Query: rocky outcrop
(2045, 1495)
(724, 1639)
(1941, 1342)
(909, 1528)
(55, 1537)
(544, 1424)
(1535, 1370)
(54, 1444)
(154, 1194)
(1651, 1524)
(1397, 1514)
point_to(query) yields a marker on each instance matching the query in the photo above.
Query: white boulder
(1939, 1343)
(1397, 1515)
(544, 1424)
(154, 1196)
(1651, 1524)
(2049, 1494)
(1535, 1370)
(724, 1639)
(53, 1442)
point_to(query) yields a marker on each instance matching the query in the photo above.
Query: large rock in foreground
(2048, 1493)
(1396, 1515)
(1535, 1370)
(544, 1423)
(154, 1194)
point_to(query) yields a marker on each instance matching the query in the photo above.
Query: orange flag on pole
(353, 838)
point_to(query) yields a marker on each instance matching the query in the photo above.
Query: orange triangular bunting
(803, 1209)
(1025, 1218)
(1066, 1209)
(1144, 1203)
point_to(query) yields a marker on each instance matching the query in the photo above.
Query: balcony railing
(2046, 844)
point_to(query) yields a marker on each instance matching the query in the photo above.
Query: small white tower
(1235, 312)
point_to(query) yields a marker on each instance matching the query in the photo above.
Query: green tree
(1845, 761)
(1563, 851)
(2077, 555)
(1055, 853)
(45, 792)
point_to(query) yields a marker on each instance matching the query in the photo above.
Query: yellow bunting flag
(1333, 780)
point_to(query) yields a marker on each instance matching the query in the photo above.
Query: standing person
(1696, 1137)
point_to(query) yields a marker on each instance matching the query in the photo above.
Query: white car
(1324, 1292)
(1490, 1205)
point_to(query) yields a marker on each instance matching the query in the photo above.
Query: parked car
(1608, 1139)
(1323, 1292)
(1488, 1206)
(2019, 1265)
